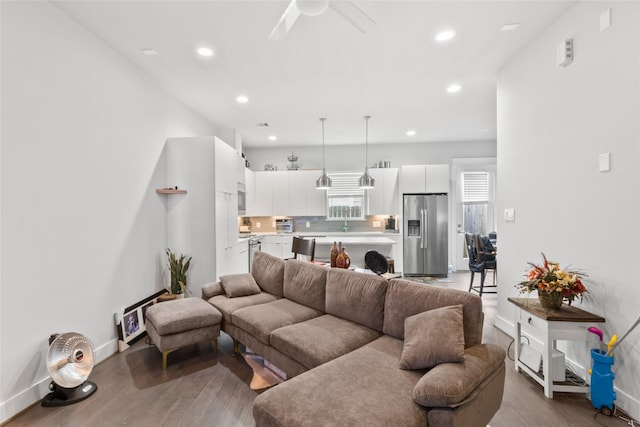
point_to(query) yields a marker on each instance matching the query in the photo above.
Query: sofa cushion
(405, 298)
(260, 320)
(305, 283)
(210, 290)
(358, 297)
(239, 285)
(321, 339)
(433, 337)
(361, 388)
(268, 270)
(228, 306)
(450, 383)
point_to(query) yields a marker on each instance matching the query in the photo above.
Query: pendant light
(366, 180)
(324, 182)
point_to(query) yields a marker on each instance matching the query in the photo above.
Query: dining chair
(478, 264)
(302, 246)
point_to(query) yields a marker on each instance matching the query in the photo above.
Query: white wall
(553, 123)
(352, 157)
(83, 232)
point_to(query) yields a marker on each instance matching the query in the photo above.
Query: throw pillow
(433, 337)
(239, 285)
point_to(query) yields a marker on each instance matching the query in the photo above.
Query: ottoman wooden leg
(236, 347)
(164, 358)
(215, 344)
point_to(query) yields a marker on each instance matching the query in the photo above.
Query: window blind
(344, 185)
(475, 186)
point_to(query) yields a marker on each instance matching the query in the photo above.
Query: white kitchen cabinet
(227, 261)
(264, 194)
(305, 200)
(278, 245)
(229, 168)
(250, 191)
(384, 198)
(288, 193)
(243, 256)
(281, 193)
(424, 179)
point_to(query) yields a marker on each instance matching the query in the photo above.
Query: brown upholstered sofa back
(268, 271)
(405, 298)
(305, 283)
(357, 297)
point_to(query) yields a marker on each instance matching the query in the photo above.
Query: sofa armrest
(448, 384)
(210, 290)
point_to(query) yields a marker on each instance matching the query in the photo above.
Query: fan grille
(70, 359)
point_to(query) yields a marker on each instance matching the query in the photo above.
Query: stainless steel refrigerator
(425, 218)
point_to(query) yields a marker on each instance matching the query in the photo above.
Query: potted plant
(178, 267)
(554, 284)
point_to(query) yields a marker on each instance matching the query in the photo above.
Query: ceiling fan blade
(286, 21)
(353, 14)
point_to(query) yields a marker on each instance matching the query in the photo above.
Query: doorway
(473, 187)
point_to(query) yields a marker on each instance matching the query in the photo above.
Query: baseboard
(624, 401)
(21, 401)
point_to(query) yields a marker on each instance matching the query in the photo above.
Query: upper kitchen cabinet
(384, 198)
(250, 191)
(288, 193)
(424, 179)
(229, 168)
(281, 193)
(305, 200)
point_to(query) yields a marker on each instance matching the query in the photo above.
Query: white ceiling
(324, 67)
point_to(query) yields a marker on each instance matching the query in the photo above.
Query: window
(475, 201)
(344, 199)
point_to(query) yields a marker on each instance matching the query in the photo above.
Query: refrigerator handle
(423, 226)
(425, 221)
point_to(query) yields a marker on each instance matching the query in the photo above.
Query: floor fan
(69, 362)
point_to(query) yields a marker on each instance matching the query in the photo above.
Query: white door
(473, 190)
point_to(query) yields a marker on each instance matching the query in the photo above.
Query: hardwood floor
(201, 388)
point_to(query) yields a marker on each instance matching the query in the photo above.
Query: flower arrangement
(548, 278)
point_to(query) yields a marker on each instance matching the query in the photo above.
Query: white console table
(567, 324)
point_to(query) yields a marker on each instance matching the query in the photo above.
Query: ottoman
(177, 323)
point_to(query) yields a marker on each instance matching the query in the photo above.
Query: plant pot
(550, 302)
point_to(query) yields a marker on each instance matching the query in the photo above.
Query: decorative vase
(347, 258)
(340, 259)
(547, 301)
(334, 254)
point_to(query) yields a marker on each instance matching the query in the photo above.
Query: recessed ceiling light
(149, 52)
(205, 51)
(272, 137)
(453, 88)
(411, 132)
(242, 99)
(510, 27)
(443, 36)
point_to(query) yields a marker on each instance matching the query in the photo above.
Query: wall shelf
(170, 191)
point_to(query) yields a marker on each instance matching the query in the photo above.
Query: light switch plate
(510, 214)
(605, 19)
(604, 161)
(258, 225)
(307, 224)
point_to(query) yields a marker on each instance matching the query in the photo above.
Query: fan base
(61, 396)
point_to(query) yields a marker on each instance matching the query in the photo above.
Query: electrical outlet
(307, 224)
(258, 225)
(376, 224)
(273, 224)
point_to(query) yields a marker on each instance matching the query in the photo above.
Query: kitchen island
(355, 246)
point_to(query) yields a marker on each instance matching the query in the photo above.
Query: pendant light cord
(322, 121)
(366, 142)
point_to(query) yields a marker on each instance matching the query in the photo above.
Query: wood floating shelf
(170, 191)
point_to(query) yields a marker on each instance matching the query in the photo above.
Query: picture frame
(131, 322)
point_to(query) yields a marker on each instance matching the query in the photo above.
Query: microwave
(242, 199)
(284, 225)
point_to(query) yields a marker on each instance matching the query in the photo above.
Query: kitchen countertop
(355, 240)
